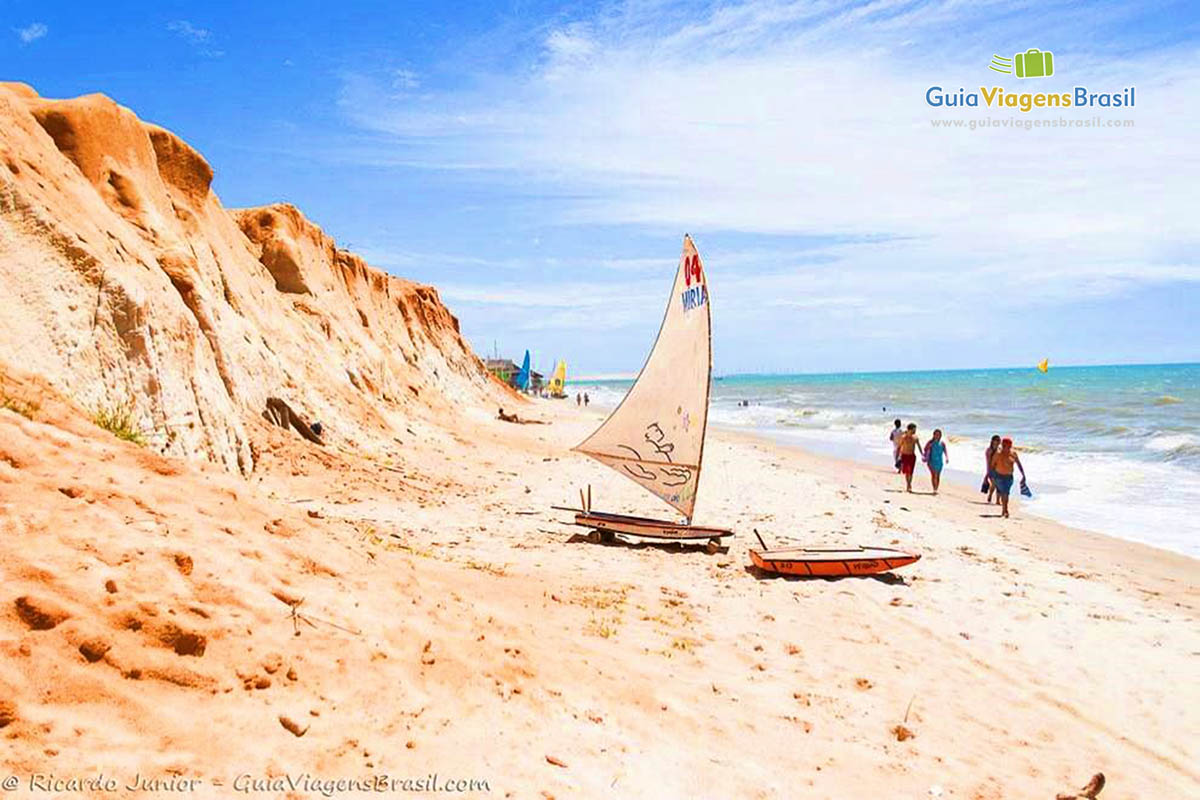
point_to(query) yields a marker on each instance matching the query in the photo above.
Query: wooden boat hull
(815, 563)
(643, 526)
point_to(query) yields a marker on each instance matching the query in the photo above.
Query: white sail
(656, 435)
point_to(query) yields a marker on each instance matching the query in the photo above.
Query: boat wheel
(595, 536)
(713, 546)
(608, 537)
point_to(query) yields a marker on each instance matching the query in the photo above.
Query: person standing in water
(988, 481)
(894, 438)
(936, 456)
(586, 400)
(910, 445)
(1003, 461)
(578, 399)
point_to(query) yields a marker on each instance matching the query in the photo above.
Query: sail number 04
(693, 296)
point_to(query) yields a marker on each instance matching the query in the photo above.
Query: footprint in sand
(94, 649)
(40, 614)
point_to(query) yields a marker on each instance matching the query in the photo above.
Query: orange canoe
(835, 563)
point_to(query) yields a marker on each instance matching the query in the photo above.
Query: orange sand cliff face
(126, 281)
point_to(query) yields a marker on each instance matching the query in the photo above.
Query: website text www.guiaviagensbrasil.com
(1027, 124)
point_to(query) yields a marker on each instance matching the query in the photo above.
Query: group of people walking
(1000, 459)
(906, 444)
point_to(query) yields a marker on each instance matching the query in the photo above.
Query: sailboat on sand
(559, 381)
(655, 437)
(523, 377)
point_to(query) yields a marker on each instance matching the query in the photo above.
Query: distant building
(502, 368)
(506, 370)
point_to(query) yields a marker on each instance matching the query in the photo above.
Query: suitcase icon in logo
(1034, 63)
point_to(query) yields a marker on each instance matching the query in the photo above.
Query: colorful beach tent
(522, 380)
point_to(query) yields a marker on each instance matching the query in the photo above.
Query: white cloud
(189, 31)
(719, 122)
(381, 255)
(197, 36)
(569, 44)
(405, 79)
(32, 32)
(809, 119)
(574, 295)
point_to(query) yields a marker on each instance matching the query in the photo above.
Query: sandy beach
(203, 595)
(423, 611)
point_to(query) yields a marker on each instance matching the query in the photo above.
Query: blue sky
(539, 163)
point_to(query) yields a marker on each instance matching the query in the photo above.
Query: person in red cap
(1003, 461)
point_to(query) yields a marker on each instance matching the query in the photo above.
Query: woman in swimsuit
(936, 456)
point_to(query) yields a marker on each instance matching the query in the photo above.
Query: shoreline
(959, 489)
(1106, 449)
(952, 476)
(1079, 550)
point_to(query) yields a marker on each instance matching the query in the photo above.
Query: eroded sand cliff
(127, 283)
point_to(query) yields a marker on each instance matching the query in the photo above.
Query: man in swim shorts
(1002, 472)
(908, 447)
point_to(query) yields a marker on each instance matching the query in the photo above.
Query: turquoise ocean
(1114, 449)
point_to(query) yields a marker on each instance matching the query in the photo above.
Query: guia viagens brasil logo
(1033, 63)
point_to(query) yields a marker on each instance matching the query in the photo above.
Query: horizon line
(722, 376)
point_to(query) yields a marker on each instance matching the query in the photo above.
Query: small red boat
(831, 563)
